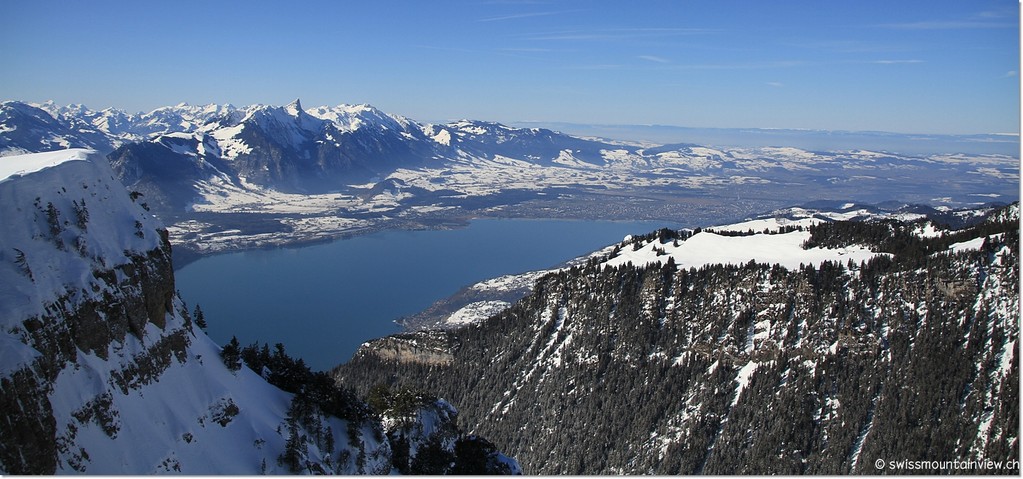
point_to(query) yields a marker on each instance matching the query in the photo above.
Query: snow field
(705, 248)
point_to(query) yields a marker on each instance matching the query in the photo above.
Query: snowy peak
(354, 117)
(179, 118)
(283, 147)
(291, 114)
(494, 132)
(294, 108)
(46, 127)
(27, 129)
(112, 121)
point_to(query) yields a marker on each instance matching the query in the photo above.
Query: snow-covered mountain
(323, 149)
(227, 177)
(104, 371)
(803, 342)
(291, 150)
(27, 129)
(534, 145)
(123, 127)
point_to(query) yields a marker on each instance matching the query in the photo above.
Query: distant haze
(814, 140)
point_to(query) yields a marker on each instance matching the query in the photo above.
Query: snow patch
(742, 379)
(476, 312)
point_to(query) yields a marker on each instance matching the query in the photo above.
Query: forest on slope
(752, 368)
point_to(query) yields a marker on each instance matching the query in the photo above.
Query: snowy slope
(102, 371)
(92, 223)
(22, 165)
(706, 248)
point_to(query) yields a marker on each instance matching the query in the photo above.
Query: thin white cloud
(769, 65)
(775, 84)
(1010, 74)
(446, 49)
(654, 59)
(530, 50)
(616, 34)
(597, 66)
(743, 66)
(849, 46)
(515, 2)
(992, 14)
(895, 62)
(518, 16)
(947, 25)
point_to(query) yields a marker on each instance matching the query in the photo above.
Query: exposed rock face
(428, 348)
(143, 295)
(27, 438)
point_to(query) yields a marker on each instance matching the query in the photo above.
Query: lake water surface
(323, 301)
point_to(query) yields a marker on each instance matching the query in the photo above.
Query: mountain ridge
(227, 178)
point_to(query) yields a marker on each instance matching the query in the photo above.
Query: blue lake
(323, 301)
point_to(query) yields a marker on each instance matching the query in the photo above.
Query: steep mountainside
(102, 370)
(650, 360)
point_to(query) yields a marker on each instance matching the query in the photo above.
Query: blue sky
(935, 66)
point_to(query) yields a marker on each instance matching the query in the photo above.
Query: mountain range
(225, 178)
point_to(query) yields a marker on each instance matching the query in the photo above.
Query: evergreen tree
(295, 451)
(432, 459)
(200, 318)
(81, 214)
(231, 354)
(474, 456)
